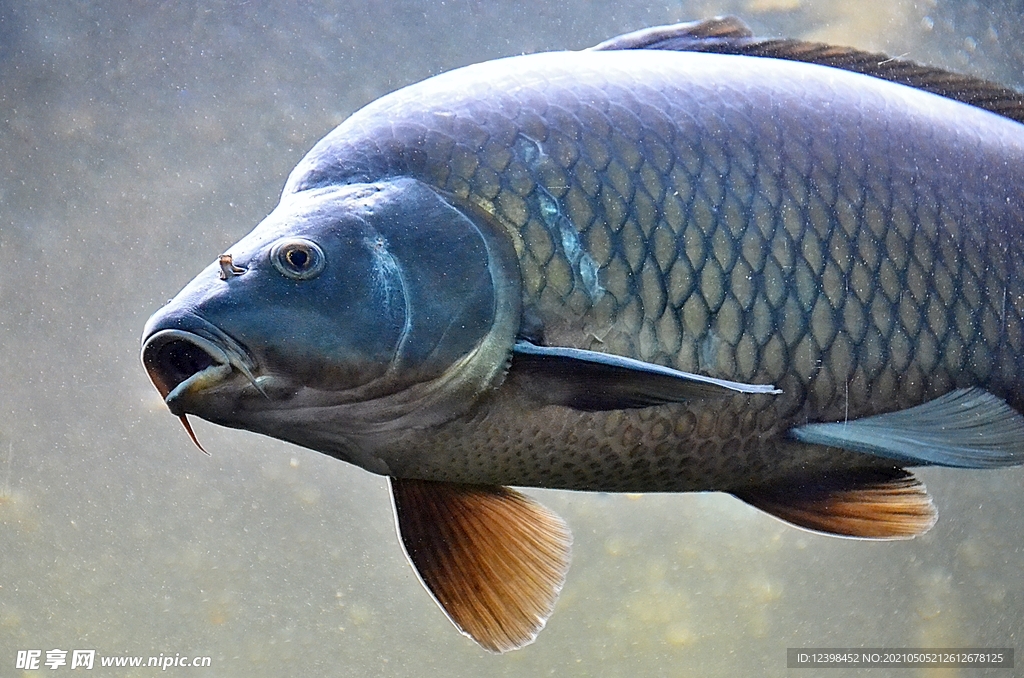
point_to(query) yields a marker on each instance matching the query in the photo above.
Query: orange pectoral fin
(492, 558)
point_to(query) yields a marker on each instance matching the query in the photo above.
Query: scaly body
(635, 268)
(859, 244)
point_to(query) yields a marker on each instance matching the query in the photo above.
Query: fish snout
(182, 363)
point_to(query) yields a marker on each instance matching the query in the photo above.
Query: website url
(33, 660)
(162, 662)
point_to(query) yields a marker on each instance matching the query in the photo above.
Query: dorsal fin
(690, 36)
(729, 35)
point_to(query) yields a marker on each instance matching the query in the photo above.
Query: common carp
(687, 259)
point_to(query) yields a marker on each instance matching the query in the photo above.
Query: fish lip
(183, 363)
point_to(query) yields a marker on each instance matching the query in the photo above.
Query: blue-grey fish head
(351, 313)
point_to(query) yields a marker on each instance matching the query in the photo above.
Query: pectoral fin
(492, 558)
(869, 504)
(589, 380)
(968, 428)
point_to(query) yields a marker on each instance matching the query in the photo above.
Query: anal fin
(493, 559)
(869, 504)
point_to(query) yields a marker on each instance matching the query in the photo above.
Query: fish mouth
(182, 364)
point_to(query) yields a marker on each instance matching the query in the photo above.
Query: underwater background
(138, 140)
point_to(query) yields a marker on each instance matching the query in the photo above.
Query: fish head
(349, 314)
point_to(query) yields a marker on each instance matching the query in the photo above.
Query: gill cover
(443, 284)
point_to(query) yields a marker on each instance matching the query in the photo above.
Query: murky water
(138, 140)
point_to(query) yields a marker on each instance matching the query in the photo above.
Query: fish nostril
(178, 360)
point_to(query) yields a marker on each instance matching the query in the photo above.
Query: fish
(687, 259)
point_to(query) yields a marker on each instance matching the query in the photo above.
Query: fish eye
(297, 258)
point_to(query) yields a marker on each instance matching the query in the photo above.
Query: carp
(687, 259)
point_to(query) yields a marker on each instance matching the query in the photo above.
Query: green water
(139, 140)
